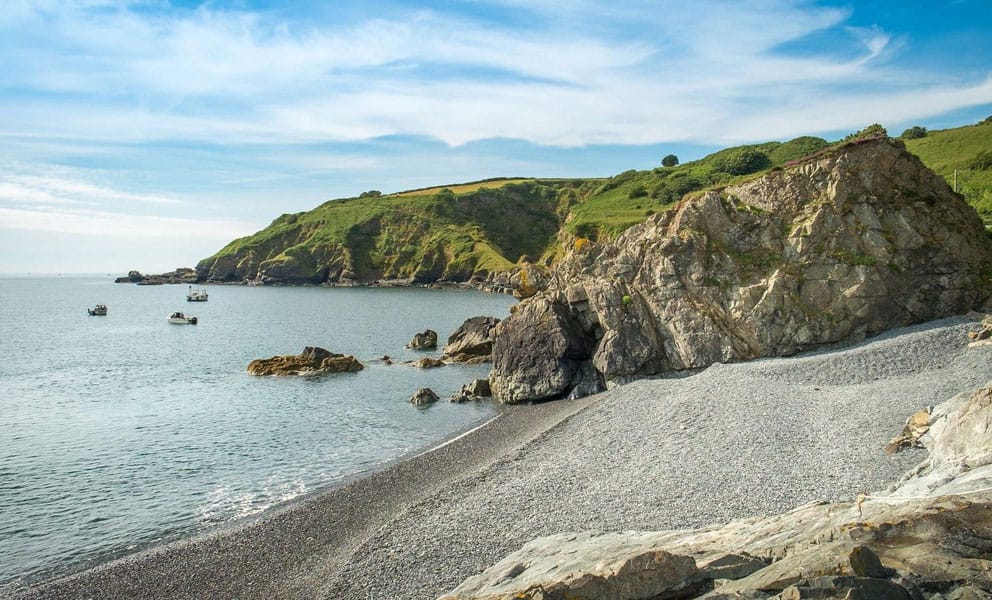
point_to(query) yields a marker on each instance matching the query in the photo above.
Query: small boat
(179, 318)
(196, 295)
(100, 310)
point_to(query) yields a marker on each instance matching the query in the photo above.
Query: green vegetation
(670, 161)
(444, 235)
(914, 133)
(963, 154)
(617, 203)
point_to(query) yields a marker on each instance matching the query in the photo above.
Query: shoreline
(354, 504)
(654, 454)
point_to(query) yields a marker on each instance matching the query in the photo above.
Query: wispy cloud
(629, 74)
(55, 219)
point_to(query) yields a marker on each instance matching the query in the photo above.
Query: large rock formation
(473, 341)
(844, 245)
(312, 361)
(930, 536)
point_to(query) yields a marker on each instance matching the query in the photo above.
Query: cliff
(850, 242)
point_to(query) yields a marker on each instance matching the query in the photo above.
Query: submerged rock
(427, 362)
(424, 396)
(311, 361)
(841, 246)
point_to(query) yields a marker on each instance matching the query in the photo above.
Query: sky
(147, 134)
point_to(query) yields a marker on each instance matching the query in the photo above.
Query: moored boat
(196, 295)
(100, 310)
(178, 318)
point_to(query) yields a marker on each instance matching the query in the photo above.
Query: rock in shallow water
(424, 396)
(312, 361)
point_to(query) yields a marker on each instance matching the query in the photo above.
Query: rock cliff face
(844, 245)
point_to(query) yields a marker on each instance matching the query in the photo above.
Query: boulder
(476, 390)
(311, 361)
(538, 352)
(844, 245)
(427, 362)
(473, 341)
(983, 336)
(917, 425)
(424, 396)
(424, 341)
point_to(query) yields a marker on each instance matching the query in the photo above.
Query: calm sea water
(123, 431)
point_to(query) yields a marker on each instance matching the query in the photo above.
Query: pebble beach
(733, 440)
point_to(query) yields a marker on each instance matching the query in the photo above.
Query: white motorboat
(196, 295)
(100, 310)
(178, 318)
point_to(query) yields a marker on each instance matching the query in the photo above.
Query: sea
(124, 431)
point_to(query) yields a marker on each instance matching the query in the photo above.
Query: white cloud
(104, 224)
(586, 72)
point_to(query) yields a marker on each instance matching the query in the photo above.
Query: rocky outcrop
(424, 341)
(312, 361)
(472, 342)
(423, 397)
(842, 246)
(982, 337)
(427, 362)
(180, 275)
(470, 392)
(929, 536)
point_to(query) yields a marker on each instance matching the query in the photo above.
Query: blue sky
(147, 134)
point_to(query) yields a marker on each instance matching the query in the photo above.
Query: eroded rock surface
(424, 341)
(842, 246)
(472, 342)
(312, 361)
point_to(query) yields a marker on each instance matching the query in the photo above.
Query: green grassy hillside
(422, 237)
(604, 210)
(950, 150)
(470, 230)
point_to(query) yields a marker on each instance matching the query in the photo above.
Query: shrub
(914, 133)
(742, 161)
(638, 191)
(370, 194)
(670, 161)
(983, 161)
(873, 130)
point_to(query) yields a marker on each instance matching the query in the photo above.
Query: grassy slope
(627, 198)
(422, 236)
(954, 149)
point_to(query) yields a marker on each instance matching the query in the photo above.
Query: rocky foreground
(929, 536)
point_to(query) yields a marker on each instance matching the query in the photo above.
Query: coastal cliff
(847, 243)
